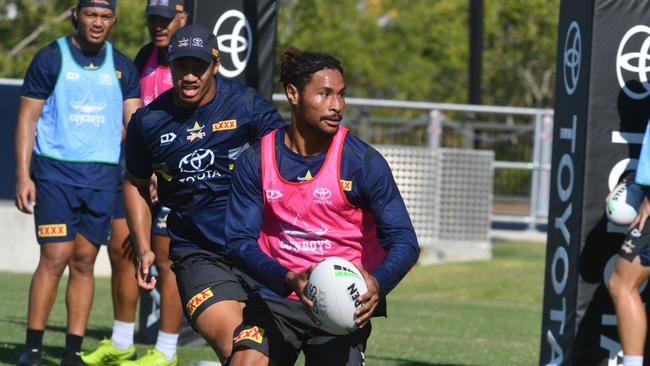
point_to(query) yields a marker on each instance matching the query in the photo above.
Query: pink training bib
(306, 222)
(155, 79)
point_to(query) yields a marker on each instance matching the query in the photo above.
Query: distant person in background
(76, 95)
(163, 19)
(306, 192)
(190, 137)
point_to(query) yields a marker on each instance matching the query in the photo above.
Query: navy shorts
(119, 211)
(62, 211)
(158, 214)
(280, 329)
(204, 280)
(637, 244)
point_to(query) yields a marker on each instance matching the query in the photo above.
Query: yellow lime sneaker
(108, 355)
(153, 357)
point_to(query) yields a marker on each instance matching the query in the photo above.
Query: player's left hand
(370, 299)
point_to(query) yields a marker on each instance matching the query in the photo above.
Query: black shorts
(280, 329)
(204, 280)
(637, 243)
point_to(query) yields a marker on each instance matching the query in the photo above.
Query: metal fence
(521, 139)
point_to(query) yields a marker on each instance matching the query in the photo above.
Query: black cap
(164, 8)
(193, 41)
(100, 4)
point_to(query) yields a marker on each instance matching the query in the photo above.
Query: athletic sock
(34, 339)
(72, 343)
(122, 337)
(632, 360)
(166, 344)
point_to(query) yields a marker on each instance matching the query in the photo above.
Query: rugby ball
(623, 203)
(334, 286)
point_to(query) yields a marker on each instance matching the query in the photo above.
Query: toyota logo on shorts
(633, 62)
(197, 161)
(322, 194)
(572, 57)
(235, 39)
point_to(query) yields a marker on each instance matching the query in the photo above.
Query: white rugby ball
(334, 286)
(623, 203)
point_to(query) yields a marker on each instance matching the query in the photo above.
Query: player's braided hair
(297, 66)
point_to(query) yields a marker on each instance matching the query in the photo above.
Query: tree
(48, 20)
(394, 49)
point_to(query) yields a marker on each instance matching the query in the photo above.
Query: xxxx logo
(49, 231)
(346, 185)
(230, 124)
(198, 299)
(254, 334)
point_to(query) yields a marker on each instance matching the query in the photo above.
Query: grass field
(478, 313)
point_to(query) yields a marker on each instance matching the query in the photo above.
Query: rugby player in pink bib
(304, 193)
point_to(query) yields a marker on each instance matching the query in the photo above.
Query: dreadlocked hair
(297, 67)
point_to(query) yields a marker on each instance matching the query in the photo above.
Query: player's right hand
(642, 215)
(153, 189)
(142, 274)
(25, 195)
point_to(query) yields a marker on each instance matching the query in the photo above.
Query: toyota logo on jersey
(322, 196)
(197, 161)
(322, 193)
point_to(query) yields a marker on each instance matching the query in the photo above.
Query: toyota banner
(246, 32)
(602, 107)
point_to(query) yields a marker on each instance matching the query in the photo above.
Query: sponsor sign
(255, 334)
(51, 231)
(198, 299)
(230, 124)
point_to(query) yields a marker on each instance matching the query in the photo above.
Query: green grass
(478, 313)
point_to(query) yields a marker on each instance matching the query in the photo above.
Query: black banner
(600, 116)
(565, 213)
(246, 32)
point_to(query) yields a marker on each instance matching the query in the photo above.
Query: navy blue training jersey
(372, 188)
(193, 153)
(39, 83)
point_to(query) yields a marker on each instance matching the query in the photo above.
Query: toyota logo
(635, 63)
(572, 57)
(322, 194)
(235, 40)
(197, 161)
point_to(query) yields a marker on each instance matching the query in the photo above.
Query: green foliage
(519, 52)
(394, 49)
(129, 34)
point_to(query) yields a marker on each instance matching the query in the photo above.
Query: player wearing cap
(163, 19)
(77, 92)
(190, 137)
(304, 193)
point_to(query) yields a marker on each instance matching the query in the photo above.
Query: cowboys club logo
(322, 194)
(197, 161)
(634, 62)
(572, 57)
(236, 42)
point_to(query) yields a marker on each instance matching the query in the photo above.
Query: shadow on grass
(9, 353)
(96, 333)
(403, 362)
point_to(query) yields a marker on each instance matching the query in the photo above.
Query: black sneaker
(32, 357)
(72, 359)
